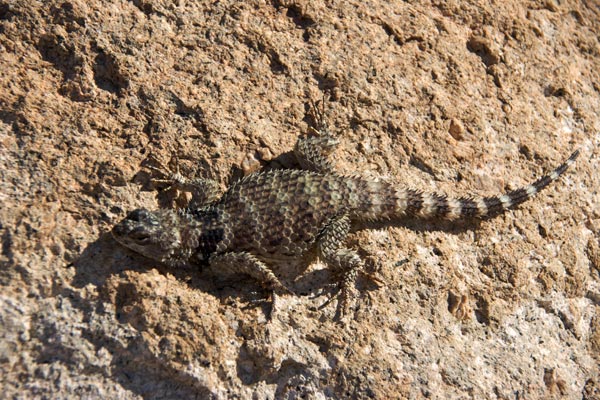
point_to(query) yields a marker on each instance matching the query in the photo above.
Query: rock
(500, 309)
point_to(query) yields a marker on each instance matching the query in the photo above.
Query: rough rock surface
(463, 97)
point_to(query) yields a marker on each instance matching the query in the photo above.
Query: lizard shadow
(106, 290)
(308, 279)
(424, 225)
(105, 258)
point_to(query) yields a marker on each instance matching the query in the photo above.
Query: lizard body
(284, 214)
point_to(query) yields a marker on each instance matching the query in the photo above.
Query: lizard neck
(203, 233)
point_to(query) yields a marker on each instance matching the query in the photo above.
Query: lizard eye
(139, 215)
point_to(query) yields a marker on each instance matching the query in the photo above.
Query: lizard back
(279, 214)
(282, 213)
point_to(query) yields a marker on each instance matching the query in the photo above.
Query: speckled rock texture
(461, 97)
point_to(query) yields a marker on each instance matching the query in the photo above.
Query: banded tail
(384, 201)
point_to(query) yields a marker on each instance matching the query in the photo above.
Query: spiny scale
(269, 216)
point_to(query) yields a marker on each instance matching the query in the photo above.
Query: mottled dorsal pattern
(269, 216)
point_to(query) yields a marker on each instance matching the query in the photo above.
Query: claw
(329, 300)
(345, 294)
(174, 179)
(318, 115)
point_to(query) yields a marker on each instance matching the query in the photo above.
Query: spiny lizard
(270, 216)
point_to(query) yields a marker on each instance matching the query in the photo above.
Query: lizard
(270, 216)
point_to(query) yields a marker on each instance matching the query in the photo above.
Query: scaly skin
(283, 214)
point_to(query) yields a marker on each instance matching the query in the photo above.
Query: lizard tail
(384, 201)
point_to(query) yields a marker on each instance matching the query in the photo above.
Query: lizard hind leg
(347, 261)
(312, 151)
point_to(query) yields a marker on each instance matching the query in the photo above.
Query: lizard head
(153, 234)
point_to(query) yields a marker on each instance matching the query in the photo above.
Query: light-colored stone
(456, 96)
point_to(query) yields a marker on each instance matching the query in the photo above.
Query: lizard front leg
(204, 191)
(246, 263)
